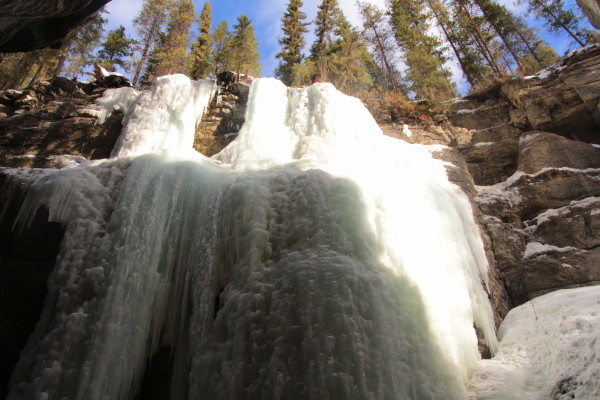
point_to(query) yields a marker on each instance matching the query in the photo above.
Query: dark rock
(485, 116)
(114, 82)
(27, 25)
(492, 162)
(565, 99)
(540, 150)
(558, 269)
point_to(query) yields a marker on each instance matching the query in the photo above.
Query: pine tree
(292, 42)
(325, 24)
(350, 59)
(481, 34)
(221, 48)
(558, 18)
(424, 54)
(18, 70)
(505, 26)
(540, 54)
(149, 24)
(244, 48)
(80, 52)
(380, 39)
(170, 56)
(115, 49)
(201, 50)
(462, 43)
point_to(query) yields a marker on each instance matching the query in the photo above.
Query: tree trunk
(492, 57)
(502, 36)
(452, 44)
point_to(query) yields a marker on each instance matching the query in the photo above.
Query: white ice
(312, 258)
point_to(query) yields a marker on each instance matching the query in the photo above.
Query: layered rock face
(50, 124)
(531, 151)
(34, 24)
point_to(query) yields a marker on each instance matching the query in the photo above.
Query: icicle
(164, 117)
(297, 263)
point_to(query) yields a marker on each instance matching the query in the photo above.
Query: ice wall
(164, 117)
(311, 258)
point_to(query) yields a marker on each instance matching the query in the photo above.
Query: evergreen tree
(327, 17)
(350, 59)
(221, 48)
(80, 52)
(540, 54)
(424, 54)
(481, 34)
(558, 18)
(292, 42)
(325, 24)
(505, 26)
(462, 43)
(244, 48)
(170, 55)
(115, 49)
(18, 70)
(149, 24)
(201, 50)
(380, 39)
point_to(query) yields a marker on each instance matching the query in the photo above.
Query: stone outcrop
(224, 118)
(27, 25)
(537, 173)
(527, 152)
(47, 126)
(562, 99)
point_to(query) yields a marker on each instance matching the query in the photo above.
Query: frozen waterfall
(313, 258)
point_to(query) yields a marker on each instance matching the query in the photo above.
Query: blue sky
(266, 14)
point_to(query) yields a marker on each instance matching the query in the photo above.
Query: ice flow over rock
(312, 258)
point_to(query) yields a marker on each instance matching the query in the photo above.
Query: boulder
(539, 150)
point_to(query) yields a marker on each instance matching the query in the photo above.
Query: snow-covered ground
(549, 348)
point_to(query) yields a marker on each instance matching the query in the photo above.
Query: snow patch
(549, 349)
(535, 249)
(119, 99)
(583, 204)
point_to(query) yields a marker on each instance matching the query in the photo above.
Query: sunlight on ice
(312, 258)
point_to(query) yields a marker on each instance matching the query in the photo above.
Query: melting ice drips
(296, 264)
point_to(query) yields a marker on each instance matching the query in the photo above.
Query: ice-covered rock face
(311, 258)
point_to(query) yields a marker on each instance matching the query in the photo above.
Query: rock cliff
(34, 24)
(527, 152)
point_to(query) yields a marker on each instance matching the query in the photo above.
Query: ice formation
(312, 258)
(548, 349)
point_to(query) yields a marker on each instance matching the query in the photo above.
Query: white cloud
(350, 9)
(122, 12)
